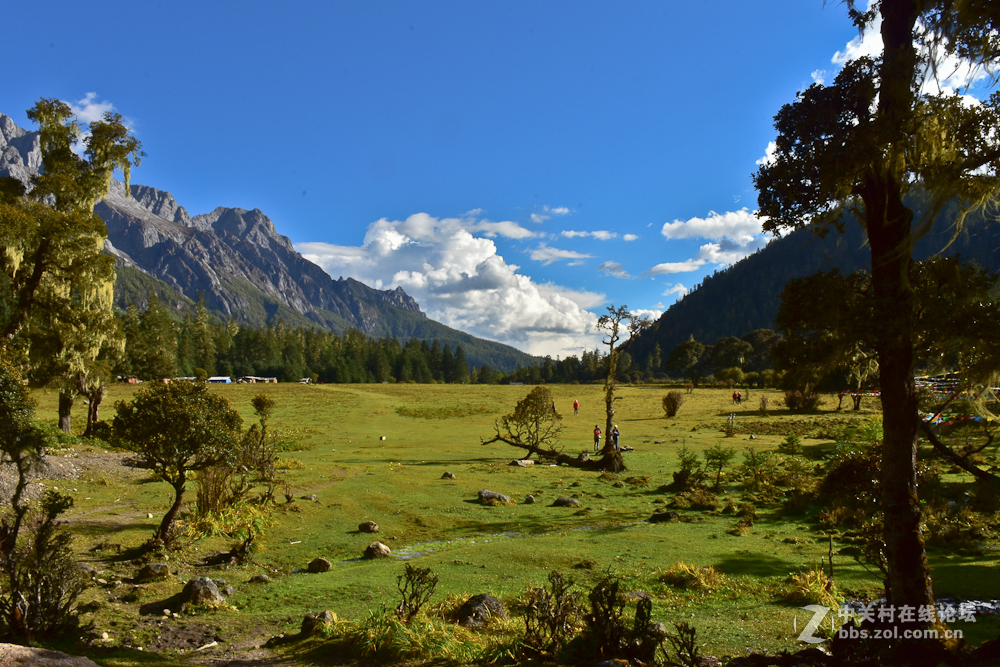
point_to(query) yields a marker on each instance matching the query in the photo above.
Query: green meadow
(338, 453)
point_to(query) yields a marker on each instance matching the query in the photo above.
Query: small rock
(529, 499)
(86, 569)
(313, 622)
(104, 636)
(566, 502)
(260, 579)
(479, 609)
(377, 550)
(368, 527)
(11, 654)
(486, 496)
(153, 571)
(311, 497)
(102, 582)
(382, 438)
(149, 515)
(522, 463)
(448, 475)
(202, 591)
(224, 587)
(318, 565)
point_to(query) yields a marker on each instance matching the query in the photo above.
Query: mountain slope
(746, 296)
(242, 266)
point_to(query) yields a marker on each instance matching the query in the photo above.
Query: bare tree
(618, 325)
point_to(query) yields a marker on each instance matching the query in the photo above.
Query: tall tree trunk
(163, 532)
(889, 224)
(66, 411)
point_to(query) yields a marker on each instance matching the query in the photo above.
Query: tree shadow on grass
(755, 564)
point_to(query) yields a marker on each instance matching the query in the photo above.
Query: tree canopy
(175, 429)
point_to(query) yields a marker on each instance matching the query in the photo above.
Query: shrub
(792, 445)
(690, 474)
(550, 615)
(416, 585)
(812, 587)
(681, 575)
(796, 401)
(672, 402)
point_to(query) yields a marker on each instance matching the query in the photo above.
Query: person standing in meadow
(576, 407)
(597, 438)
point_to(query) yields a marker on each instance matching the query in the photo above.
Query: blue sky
(515, 166)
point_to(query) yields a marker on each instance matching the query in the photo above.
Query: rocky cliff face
(235, 256)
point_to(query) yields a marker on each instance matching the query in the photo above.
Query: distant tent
(220, 379)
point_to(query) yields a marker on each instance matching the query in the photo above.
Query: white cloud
(741, 226)
(629, 237)
(818, 76)
(600, 235)
(948, 75)
(653, 315)
(508, 229)
(675, 267)
(614, 269)
(461, 281)
(547, 212)
(728, 252)
(769, 152)
(677, 289)
(89, 109)
(547, 255)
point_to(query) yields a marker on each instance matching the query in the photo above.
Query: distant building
(220, 379)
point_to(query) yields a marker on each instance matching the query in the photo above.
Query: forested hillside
(745, 296)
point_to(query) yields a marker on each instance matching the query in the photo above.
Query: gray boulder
(377, 550)
(13, 655)
(260, 579)
(368, 527)
(202, 591)
(479, 609)
(566, 502)
(488, 497)
(529, 499)
(448, 475)
(317, 565)
(313, 622)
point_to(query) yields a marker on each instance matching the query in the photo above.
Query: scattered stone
(153, 571)
(149, 515)
(659, 442)
(317, 565)
(311, 497)
(660, 517)
(479, 609)
(486, 496)
(368, 527)
(102, 582)
(522, 463)
(377, 550)
(382, 438)
(637, 595)
(313, 622)
(566, 502)
(260, 579)
(224, 587)
(529, 499)
(86, 569)
(12, 654)
(202, 591)
(448, 475)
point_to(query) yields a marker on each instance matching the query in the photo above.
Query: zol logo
(819, 613)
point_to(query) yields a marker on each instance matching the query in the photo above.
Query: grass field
(439, 523)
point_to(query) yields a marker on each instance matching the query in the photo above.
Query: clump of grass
(643, 480)
(384, 637)
(289, 464)
(699, 499)
(811, 587)
(691, 577)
